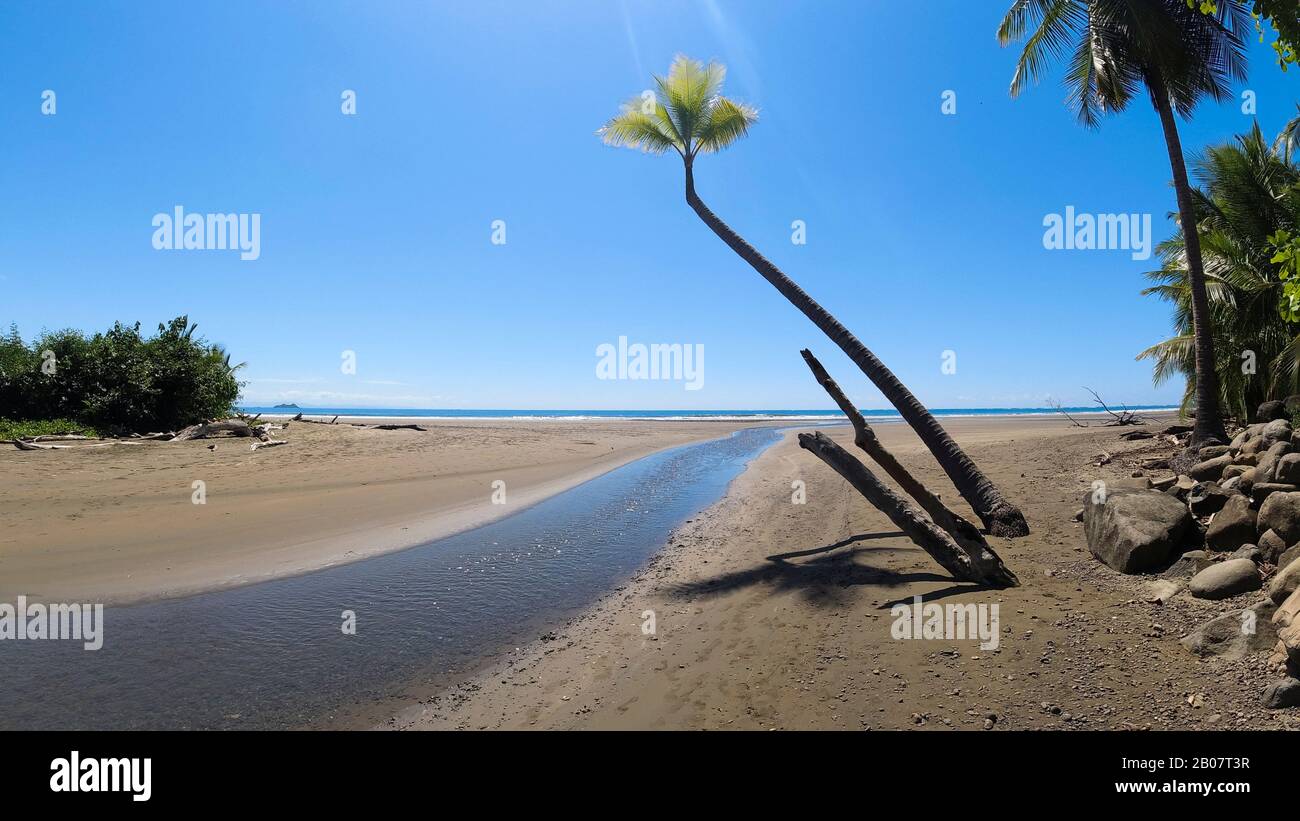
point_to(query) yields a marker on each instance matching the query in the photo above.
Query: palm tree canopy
(686, 112)
(1248, 192)
(1116, 47)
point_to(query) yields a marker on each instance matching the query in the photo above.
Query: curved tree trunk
(1209, 424)
(998, 515)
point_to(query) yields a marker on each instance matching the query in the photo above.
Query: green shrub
(117, 380)
(9, 429)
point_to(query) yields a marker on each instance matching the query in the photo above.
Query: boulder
(1211, 469)
(1161, 591)
(1207, 498)
(1232, 485)
(1213, 451)
(1188, 565)
(1287, 556)
(1135, 530)
(1262, 490)
(1270, 411)
(1248, 551)
(1284, 583)
(1246, 480)
(1234, 470)
(1165, 483)
(1236, 634)
(1232, 526)
(1271, 545)
(1280, 513)
(1284, 693)
(1288, 469)
(1279, 430)
(1265, 469)
(1251, 447)
(1225, 580)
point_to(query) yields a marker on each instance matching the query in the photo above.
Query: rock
(1213, 451)
(1225, 579)
(1279, 430)
(1188, 565)
(1284, 583)
(1265, 470)
(1078, 515)
(1251, 447)
(1232, 485)
(1232, 526)
(1288, 469)
(1287, 556)
(1177, 430)
(1269, 411)
(1207, 498)
(1280, 513)
(1246, 480)
(1211, 468)
(1262, 490)
(1234, 470)
(1134, 530)
(1284, 693)
(1271, 545)
(1248, 551)
(1233, 635)
(1164, 484)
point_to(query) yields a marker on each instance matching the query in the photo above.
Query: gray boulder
(1266, 468)
(1233, 526)
(1262, 490)
(1225, 580)
(1288, 469)
(1271, 545)
(1287, 556)
(1284, 693)
(1280, 513)
(1284, 582)
(1279, 430)
(1210, 469)
(1188, 565)
(1135, 530)
(1269, 411)
(1207, 498)
(1248, 551)
(1235, 635)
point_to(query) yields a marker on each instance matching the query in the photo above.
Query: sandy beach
(119, 524)
(772, 615)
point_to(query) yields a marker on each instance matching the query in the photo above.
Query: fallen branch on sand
(1124, 417)
(953, 542)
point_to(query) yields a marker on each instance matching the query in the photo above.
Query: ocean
(756, 415)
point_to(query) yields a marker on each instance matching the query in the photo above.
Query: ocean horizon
(879, 414)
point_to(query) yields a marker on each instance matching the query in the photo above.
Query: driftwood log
(955, 543)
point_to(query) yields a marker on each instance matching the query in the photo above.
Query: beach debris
(956, 544)
(1122, 418)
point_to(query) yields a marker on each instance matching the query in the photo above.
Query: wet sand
(773, 615)
(119, 524)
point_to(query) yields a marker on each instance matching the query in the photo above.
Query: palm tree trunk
(999, 516)
(1209, 424)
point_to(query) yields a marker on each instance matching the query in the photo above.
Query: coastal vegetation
(1179, 53)
(114, 381)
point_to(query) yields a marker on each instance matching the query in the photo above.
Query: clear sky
(924, 230)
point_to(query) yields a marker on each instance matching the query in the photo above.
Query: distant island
(287, 405)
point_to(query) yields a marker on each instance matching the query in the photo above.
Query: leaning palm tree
(687, 114)
(1180, 55)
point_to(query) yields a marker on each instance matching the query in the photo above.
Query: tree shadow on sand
(825, 580)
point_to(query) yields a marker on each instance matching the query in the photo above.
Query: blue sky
(924, 230)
